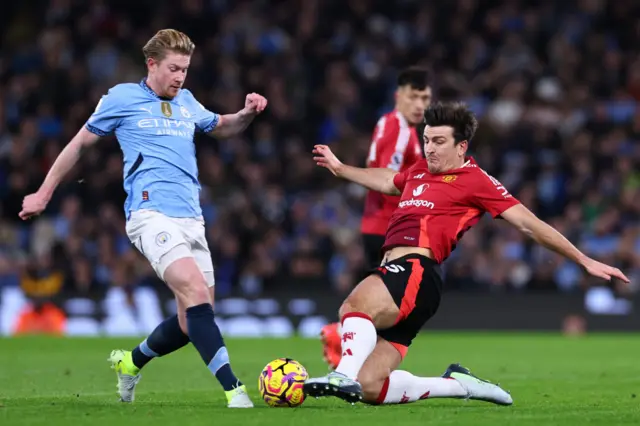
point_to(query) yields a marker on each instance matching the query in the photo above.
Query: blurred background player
(395, 145)
(155, 121)
(442, 197)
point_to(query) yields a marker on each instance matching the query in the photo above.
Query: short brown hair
(168, 40)
(454, 114)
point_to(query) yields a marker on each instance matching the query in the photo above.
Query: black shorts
(415, 283)
(372, 249)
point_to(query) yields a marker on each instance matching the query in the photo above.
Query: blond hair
(168, 40)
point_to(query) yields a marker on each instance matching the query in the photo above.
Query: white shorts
(163, 240)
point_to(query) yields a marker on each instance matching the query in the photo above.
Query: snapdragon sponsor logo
(416, 203)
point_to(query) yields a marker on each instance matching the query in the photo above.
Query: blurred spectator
(555, 84)
(40, 318)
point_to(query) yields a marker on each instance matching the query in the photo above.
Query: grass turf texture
(554, 381)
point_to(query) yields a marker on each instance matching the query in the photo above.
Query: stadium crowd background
(556, 85)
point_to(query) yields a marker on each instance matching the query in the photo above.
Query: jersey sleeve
(107, 116)
(382, 151)
(207, 120)
(491, 196)
(400, 180)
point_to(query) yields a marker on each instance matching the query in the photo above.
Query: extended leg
(195, 300)
(383, 384)
(164, 339)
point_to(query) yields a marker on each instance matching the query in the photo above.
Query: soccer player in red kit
(442, 197)
(395, 145)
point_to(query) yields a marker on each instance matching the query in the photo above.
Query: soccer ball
(281, 383)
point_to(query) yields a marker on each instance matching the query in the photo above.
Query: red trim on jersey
(462, 223)
(423, 241)
(408, 303)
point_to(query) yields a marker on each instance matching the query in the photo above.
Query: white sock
(359, 338)
(402, 387)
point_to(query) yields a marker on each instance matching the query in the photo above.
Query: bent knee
(187, 282)
(371, 388)
(346, 308)
(195, 292)
(194, 295)
(372, 298)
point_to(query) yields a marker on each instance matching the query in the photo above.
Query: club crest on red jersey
(449, 178)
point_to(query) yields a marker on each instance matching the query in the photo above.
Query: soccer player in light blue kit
(154, 122)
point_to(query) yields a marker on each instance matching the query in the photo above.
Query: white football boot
(238, 398)
(478, 389)
(334, 384)
(128, 374)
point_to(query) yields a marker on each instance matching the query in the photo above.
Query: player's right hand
(600, 270)
(327, 159)
(33, 205)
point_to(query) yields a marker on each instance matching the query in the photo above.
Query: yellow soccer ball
(281, 383)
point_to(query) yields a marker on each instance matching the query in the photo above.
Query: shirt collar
(145, 86)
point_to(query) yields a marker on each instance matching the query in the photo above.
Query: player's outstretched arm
(34, 204)
(542, 233)
(233, 124)
(375, 179)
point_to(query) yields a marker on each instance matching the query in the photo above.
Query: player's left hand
(255, 103)
(33, 205)
(600, 270)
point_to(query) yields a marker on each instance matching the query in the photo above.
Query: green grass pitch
(554, 380)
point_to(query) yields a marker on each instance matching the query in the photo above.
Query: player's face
(169, 73)
(412, 102)
(440, 149)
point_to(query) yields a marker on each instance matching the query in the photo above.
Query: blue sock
(205, 336)
(166, 338)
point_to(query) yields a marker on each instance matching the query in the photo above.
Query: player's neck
(457, 165)
(404, 117)
(155, 87)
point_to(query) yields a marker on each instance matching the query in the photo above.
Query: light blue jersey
(156, 138)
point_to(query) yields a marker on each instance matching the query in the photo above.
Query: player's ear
(462, 148)
(151, 64)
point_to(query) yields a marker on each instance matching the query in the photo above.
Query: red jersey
(395, 146)
(437, 209)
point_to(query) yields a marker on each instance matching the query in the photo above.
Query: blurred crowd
(556, 85)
